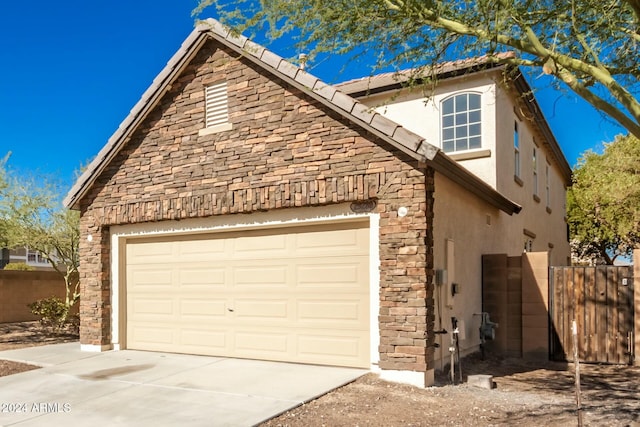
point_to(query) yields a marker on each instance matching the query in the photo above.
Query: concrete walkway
(136, 388)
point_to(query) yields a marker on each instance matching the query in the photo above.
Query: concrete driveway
(137, 388)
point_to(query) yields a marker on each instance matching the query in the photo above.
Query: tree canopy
(588, 46)
(603, 205)
(32, 215)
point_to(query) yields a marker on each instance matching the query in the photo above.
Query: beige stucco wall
(475, 228)
(419, 111)
(472, 227)
(546, 221)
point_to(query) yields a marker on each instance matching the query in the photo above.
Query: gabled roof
(393, 81)
(392, 133)
(384, 82)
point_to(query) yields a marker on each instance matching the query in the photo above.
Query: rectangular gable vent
(217, 112)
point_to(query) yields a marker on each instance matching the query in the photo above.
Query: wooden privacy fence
(600, 299)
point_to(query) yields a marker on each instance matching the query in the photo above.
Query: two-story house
(24, 255)
(244, 208)
(484, 116)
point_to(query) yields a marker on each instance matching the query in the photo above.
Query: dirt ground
(27, 334)
(528, 394)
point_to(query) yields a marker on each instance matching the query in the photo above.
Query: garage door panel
(149, 280)
(153, 337)
(323, 313)
(203, 309)
(202, 249)
(261, 274)
(333, 273)
(338, 241)
(202, 277)
(146, 253)
(251, 344)
(323, 346)
(259, 246)
(143, 307)
(274, 294)
(203, 341)
(260, 309)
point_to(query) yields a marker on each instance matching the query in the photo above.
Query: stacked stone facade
(285, 150)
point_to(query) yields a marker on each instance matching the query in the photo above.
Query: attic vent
(216, 109)
(216, 98)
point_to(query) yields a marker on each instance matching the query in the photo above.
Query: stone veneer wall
(285, 150)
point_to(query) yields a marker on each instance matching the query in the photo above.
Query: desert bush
(18, 266)
(53, 312)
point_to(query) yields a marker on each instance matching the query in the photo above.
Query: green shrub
(53, 312)
(18, 266)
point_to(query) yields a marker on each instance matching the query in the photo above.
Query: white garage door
(299, 294)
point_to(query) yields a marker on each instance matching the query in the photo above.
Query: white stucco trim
(272, 219)
(374, 290)
(418, 379)
(215, 129)
(95, 348)
(115, 290)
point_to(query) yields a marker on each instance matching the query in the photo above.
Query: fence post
(576, 363)
(636, 305)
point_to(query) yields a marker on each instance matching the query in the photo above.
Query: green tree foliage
(3, 186)
(589, 46)
(53, 312)
(18, 266)
(32, 216)
(603, 206)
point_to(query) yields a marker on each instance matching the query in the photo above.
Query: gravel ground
(528, 394)
(26, 334)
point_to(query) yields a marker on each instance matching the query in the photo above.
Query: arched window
(461, 123)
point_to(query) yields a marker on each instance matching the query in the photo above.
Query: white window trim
(516, 147)
(548, 185)
(535, 171)
(481, 135)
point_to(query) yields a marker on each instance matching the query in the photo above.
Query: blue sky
(70, 72)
